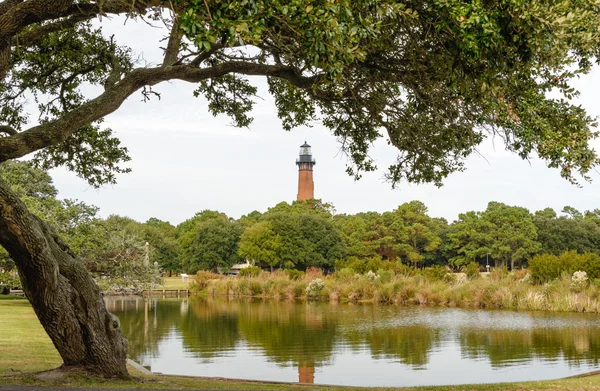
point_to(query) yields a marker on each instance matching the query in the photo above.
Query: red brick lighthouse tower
(305, 163)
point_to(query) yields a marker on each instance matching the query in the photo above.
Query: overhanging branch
(58, 130)
(9, 130)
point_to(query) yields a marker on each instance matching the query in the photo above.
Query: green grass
(190, 383)
(24, 345)
(25, 348)
(10, 297)
(176, 283)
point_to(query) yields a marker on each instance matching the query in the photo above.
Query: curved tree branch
(172, 51)
(34, 35)
(58, 130)
(9, 130)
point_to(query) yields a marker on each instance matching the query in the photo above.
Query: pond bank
(498, 291)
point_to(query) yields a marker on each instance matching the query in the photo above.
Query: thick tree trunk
(62, 293)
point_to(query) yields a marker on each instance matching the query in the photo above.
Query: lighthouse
(305, 163)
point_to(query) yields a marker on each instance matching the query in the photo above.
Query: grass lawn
(176, 283)
(25, 347)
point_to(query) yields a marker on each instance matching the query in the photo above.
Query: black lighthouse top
(305, 155)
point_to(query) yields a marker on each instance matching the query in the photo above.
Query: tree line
(305, 234)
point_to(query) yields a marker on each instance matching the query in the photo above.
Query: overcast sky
(184, 161)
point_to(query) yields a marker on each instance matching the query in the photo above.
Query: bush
(314, 272)
(546, 267)
(362, 266)
(314, 288)
(401, 269)
(200, 281)
(128, 277)
(294, 274)
(250, 271)
(579, 281)
(434, 273)
(498, 273)
(371, 276)
(385, 276)
(9, 280)
(472, 270)
(345, 274)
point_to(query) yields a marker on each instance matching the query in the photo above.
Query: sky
(184, 160)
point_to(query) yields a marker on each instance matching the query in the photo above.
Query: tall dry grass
(499, 290)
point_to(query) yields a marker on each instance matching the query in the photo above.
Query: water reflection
(354, 344)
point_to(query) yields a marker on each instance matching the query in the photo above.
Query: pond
(361, 345)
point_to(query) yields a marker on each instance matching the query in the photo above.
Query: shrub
(357, 265)
(546, 267)
(579, 281)
(434, 273)
(314, 288)
(498, 273)
(250, 271)
(472, 270)
(314, 272)
(591, 264)
(200, 281)
(345, 274)
(374, 264)
(128, 276)
(9, 280)
(385, 276)
(299, 289)
(294, 274)
(371, 276)
(401, 269)
(526, 279)
(362, 266)
(254, 288)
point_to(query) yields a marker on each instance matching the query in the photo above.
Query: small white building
(235, 269)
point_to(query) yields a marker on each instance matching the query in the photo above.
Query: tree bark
(63, 294)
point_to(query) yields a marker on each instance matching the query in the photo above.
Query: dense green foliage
(433, 77)
(209, 241)
(308, 234)
(547, 267)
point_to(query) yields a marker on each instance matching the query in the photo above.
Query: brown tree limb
(172, 51)
(34, 35)
(6, 5)
(9, 130)
(200, 58)
(58, 130)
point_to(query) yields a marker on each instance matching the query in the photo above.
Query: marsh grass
(501, 290)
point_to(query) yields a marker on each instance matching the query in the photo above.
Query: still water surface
(362, 345)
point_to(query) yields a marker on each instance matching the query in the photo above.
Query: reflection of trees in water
(144, 322)
(300, 333)
(208, 330)
(205, 329)
(305, 333)
(410, 345)
(578, 345)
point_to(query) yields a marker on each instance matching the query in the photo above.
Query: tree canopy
(436, 77)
